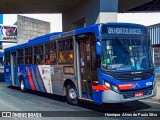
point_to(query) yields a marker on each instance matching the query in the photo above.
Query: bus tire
(22, 85)
(71, 95)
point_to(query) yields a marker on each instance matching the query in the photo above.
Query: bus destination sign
(121, 30)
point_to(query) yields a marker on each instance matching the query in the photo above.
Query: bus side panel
(37, 77)
(7, 71)
(44, 80)
(98, 90)
(58, 78)
(22, 72)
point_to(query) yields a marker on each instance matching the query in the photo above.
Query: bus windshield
(126, 54)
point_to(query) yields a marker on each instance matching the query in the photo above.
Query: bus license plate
(138, 94)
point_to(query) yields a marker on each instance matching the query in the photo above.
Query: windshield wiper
(125, 47)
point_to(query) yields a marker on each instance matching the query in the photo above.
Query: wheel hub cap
(72, 94)
(22, 85)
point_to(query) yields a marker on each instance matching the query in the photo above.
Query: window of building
(20, 59)
(7, 57)
(28, 55)
(38, 55)
(50, 53)
(65, 54)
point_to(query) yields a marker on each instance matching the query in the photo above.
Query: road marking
(150, 101)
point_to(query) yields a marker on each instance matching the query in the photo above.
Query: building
(8, 38)
(24, 30)
(154, 31)
(29, 28)
(80, 13)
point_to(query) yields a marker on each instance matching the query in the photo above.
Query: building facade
(29, 28)
(154, 31)
(25, 29)
(8, 38)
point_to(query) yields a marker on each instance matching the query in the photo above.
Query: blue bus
(102, 63)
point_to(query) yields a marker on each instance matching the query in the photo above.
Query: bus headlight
(115, 88)
(111, 86)
(107, 84)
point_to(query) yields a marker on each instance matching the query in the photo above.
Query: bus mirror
(98, 49)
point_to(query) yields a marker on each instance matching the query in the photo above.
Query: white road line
(150, 101)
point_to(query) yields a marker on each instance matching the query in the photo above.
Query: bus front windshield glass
(126, 54)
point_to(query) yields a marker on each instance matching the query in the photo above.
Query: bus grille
(127, 76)
(130, 94)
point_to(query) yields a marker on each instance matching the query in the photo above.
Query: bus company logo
(136, 85)
(45, 71)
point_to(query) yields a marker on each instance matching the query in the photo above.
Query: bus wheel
(22, 85)
(71, 95)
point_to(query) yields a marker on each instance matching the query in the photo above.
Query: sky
(141, 18)
(56, 19)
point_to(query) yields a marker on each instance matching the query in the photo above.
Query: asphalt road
(12, 99)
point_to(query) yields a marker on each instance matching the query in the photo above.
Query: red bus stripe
(31, 80)
(125, 86)
(100, 87)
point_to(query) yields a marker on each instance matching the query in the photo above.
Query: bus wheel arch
(22, 84)
(70, 91)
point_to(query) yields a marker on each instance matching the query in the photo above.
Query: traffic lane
(11, 99)
(33, 100)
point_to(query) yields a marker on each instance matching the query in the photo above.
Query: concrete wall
(89, 12)
(29, 28)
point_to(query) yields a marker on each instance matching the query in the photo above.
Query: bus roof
(125, 24)
(34, 41)
(92, 28)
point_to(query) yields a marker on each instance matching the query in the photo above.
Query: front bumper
(109, 96)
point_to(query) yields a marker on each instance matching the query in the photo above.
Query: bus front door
(13, 67)
(88, 65)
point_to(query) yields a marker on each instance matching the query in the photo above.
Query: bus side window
(7, 57)
(66, 55)
(47, 54)
(28, 55)
(20, 59)
(50, 53)
(38, 54)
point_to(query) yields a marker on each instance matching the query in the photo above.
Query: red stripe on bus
(100, 87)
(125, 86)
(31, 80)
